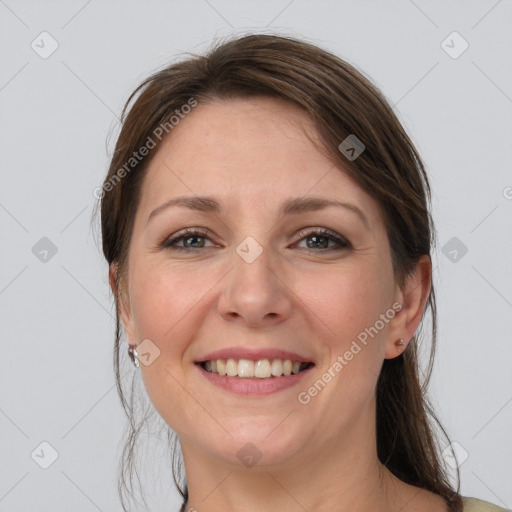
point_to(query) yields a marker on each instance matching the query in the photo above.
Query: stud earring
(133, 355)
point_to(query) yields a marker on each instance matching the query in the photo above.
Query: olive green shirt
(476, 505)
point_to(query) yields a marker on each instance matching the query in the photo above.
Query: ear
(122, 302)
(413, 297)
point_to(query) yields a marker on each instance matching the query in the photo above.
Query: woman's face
(258, 280)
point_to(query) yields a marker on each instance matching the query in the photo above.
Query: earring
(400, 343)
(133, 355)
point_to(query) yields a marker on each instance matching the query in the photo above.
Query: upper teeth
(262, 368)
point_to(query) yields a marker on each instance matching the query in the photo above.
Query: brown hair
(341, 101)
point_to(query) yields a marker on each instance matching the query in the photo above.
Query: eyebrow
(293, 206)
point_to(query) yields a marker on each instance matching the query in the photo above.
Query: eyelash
(190, 232)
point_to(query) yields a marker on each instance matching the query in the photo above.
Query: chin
(257, 443)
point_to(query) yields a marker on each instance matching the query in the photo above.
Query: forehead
(247, 150)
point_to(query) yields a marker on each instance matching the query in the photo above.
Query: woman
(266, 222)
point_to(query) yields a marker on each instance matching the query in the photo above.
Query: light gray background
(56, 374)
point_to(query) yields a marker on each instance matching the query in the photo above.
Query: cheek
(345, 301)
(348, 306)
(163, 299)
(165, 306)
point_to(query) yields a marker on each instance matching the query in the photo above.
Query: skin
(253, 154)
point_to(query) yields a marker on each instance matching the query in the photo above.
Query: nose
(255, 293)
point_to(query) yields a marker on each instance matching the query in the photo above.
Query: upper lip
(253, 354)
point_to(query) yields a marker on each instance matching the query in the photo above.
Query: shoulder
(476, 505)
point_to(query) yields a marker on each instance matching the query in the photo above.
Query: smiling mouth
(259, 369)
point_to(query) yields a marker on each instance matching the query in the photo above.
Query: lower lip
(253, 386)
